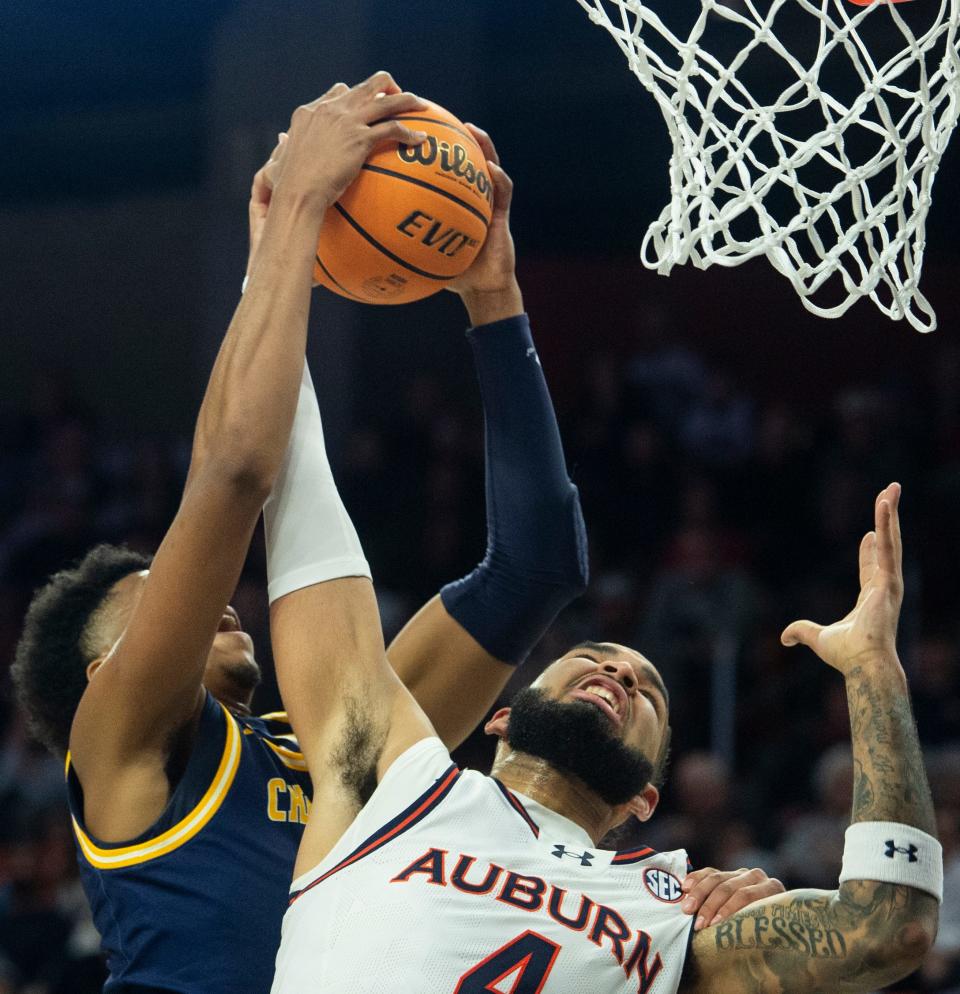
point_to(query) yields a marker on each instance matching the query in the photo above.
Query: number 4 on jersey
(520, 967)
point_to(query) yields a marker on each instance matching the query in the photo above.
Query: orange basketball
(413, 219)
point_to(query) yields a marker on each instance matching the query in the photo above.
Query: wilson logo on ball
(662, 885)
(413, 220)
(453, 159)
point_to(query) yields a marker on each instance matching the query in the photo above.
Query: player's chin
(233, 653)
(244, 673)
(232, 675)
(233, 644)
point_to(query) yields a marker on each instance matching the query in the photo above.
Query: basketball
(414, 218)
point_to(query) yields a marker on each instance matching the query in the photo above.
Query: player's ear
(497, 725)
(645, 803)
(95, 664)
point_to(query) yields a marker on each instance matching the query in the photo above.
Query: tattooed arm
(866, 934)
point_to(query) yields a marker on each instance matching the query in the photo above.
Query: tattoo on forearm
(820, 939)
(779, 931)
(867, 934)
(890, 783)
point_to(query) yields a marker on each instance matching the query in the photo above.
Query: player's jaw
(577, 738)
(232, 673)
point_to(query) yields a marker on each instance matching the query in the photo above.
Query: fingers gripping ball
(413, 219)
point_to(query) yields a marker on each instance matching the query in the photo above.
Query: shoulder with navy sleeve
(195, 903)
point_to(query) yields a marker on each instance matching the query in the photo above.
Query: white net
(806, 131)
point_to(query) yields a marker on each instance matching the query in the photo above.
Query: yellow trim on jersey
(280, 716)
(290, 758)
(275, 716)
(186, 828)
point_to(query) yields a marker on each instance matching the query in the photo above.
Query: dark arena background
(727, 444)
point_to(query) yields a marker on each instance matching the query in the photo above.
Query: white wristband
(895, 854)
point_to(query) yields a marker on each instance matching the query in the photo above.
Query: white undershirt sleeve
(310, 537)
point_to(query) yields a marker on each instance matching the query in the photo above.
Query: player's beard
(574, 737)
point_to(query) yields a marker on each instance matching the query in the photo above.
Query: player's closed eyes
(655, 701)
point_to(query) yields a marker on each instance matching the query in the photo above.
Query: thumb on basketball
(801, 633)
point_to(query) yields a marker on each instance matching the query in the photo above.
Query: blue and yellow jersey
(194, 904)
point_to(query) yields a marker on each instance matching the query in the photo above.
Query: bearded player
(449, 882)
(187, 811)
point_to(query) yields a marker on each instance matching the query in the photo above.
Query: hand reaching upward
(489, 287)
(869, 631)
(327, 143)
(493, 269)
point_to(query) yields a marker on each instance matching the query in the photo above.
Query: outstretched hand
(869, 631)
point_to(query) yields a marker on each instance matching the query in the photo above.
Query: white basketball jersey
(449, 883)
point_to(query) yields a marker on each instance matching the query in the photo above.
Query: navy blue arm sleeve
(536, 558)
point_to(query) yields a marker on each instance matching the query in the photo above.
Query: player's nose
(621, 671)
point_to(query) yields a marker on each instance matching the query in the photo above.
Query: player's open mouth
(606, 695)
(230, 622)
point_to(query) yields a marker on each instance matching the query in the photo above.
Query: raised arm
(148, 685)
(458, 652)
(351, 713)
(881, 921)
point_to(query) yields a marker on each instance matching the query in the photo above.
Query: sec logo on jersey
(662, 885)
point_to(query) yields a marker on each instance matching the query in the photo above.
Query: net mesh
(806, 131)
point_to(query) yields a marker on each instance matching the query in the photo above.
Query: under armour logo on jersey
(909, 851)
(585, 857)
(533, 352)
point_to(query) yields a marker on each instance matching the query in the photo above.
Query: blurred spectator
(631, 510)
(812, 850)
(666, 374)
(46, 931)
(31, 780)
(771, 496)
(934, 668)
(941, 970)
(708, 819)
(718, 429)
(695, 600)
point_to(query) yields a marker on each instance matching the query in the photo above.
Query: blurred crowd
(715, 518)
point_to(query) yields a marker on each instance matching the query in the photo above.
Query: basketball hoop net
(812, 137)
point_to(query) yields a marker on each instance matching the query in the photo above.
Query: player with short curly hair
(61, 637)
